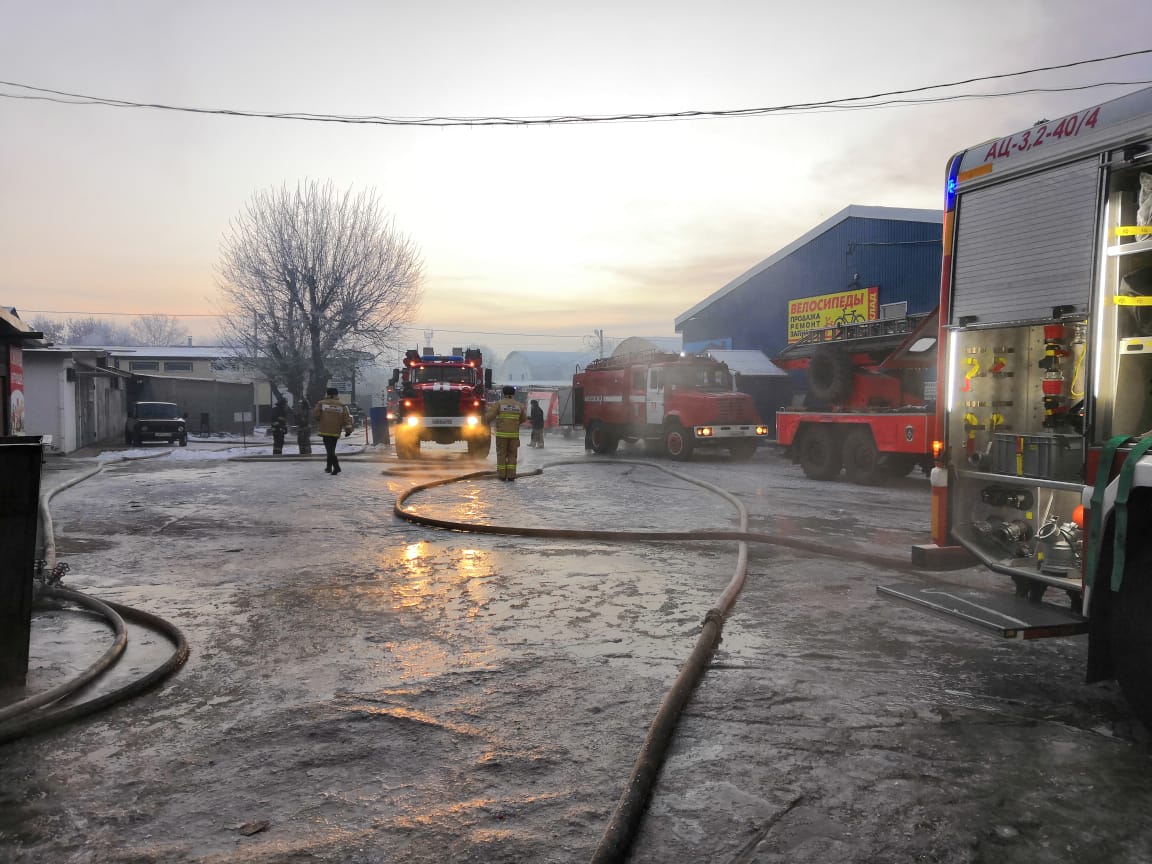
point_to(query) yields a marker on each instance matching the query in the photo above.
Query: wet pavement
(362, 689)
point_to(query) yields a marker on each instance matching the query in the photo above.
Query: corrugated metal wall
(901, 257)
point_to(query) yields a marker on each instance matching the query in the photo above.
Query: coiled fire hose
(618, 837)
(34, 714)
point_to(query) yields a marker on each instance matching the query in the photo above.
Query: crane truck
(875, 413)
(441, 398)
(1042, 469)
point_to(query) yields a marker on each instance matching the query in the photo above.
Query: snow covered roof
(640, 344)
(747, 362)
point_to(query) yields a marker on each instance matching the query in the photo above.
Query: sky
(533, 237)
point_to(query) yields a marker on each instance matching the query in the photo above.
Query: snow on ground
(226, 450)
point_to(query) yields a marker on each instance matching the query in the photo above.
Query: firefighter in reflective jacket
(508, 414)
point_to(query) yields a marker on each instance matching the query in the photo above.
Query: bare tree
(159, 330)
(86, 330)
(54, 331)
(307, 272)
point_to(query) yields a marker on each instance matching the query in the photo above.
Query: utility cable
(841, 103)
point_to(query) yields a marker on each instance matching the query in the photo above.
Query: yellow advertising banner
(832, 310)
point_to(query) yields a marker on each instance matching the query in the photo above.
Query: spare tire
(830, 374)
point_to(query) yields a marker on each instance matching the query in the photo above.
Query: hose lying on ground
(29, 716)
(622, 828)
(106, 662)
(32, 722)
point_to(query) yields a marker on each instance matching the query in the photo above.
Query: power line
(843, 103)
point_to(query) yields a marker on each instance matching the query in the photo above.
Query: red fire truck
(1046, 373)
(441, 398)
(877, 417)
(673, 402)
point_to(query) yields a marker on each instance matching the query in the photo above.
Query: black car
(155, 421)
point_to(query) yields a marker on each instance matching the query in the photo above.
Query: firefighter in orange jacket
(508, 415)
(332, 416)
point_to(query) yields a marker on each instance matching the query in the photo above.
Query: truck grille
(729, 409)
(440, 403)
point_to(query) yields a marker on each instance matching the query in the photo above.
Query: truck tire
(600, 440)
(742, 449)
(479, 448)
(678, 443)
(830, 374)
(901, 464)
(819, 453)
(1130, 637)
(861, 458)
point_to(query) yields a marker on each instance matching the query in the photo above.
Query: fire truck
(441, 398)
(877, 414)
(675, 403)
(1045, 366)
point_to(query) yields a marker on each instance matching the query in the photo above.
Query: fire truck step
(1010, 616)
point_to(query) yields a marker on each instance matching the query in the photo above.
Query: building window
(143, 366)
(177, 366)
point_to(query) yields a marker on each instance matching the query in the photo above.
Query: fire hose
(619, 835)
(35, 713)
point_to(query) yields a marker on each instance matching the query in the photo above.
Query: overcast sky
(553, 231)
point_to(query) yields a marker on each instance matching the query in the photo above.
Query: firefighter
(331, 416)
(279, 425)
(537, 415)
(508, 414)
(304, 426)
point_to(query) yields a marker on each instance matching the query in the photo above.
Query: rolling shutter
(1025, 246)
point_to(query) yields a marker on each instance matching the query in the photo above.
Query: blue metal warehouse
(851, 264)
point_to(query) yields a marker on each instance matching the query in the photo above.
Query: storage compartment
(1051, 456)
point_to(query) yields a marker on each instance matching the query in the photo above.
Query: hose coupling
(715, 616)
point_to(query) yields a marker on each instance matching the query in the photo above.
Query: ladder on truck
(871, 336)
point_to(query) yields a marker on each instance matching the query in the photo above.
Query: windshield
(700, 377)
(156, 411)
(456, 374)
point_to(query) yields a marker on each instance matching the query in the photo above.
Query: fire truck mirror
(488, 378)
(395, 377)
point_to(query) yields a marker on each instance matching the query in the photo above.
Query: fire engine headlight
(473, 420)
(413, 421)
(703, 431)
(761, 430)
(390, 416)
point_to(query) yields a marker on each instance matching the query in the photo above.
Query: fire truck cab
(674, 403)
(441, 398)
